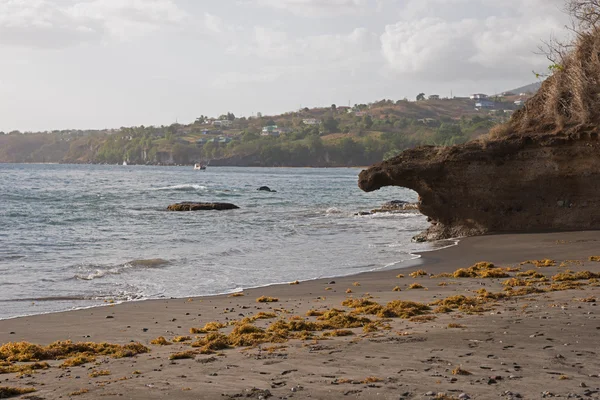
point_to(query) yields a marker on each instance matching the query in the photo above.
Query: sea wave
(183, 188)
(91, 272)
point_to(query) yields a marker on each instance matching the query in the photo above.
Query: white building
(311, 121)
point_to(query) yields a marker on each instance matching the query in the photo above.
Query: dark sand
(528, 345)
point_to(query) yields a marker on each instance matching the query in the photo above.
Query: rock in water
(266, 189)
(201, 206)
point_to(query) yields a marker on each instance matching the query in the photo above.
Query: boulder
(189, 206)
(266, 189)
(396, 206)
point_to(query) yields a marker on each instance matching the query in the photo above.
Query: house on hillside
(225, 123)
(311, 121)
(519, 103)
(485, 104)
(343, 109)
(271, 130)
(434, 97)
(478, 96)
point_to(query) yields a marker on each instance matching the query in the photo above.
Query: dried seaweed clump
(541, 263)
(24, 351)
(209, 327)
(182, 355)
(418, 273)
(102, 372)
(77, 361)
(403, 309)
(595, 258)
(161, 341)
(336, 319)
(250, 335)
(458, 302)
(22, 369)
(267, 299)
(212, 342)
(482, 269)
(416, 286)
(7, 391)
(363, 306)
(338, 333)
(532, 273)
(574, 276)
(180, 339)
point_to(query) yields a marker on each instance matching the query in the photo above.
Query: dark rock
(395, 206)
(266, 189)
(188, 206)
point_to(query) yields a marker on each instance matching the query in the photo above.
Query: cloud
(316, 8)
(54, 24)
(312, 58)
(500, 44)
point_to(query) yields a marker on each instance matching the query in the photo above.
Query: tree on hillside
(331, 125)
(421, 96)
(367, 121)
(333, 107)
(201, 120)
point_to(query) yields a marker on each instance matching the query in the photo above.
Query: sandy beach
(538, 339)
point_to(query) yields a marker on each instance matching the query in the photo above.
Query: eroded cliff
(518, 184)
(538, 172)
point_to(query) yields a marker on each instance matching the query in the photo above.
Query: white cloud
(53, 24)
(316, 8)
(502, 43)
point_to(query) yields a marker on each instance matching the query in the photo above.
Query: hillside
(332, 136)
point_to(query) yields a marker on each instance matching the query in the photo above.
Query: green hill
(331, 136)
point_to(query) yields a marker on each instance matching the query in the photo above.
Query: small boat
(199, 167)
(124, 162)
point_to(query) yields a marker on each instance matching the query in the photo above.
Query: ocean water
(74, 236)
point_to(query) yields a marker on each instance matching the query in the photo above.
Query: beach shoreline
(400, 358)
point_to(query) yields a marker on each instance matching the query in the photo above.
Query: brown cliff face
(516, 184)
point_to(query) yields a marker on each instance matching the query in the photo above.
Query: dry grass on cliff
(568, 101)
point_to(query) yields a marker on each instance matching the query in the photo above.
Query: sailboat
(199, 167)
(124, 162)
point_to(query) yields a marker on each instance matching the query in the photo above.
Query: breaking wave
(183, 188)
(91, 272)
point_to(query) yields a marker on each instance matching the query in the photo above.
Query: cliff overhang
(511, 184)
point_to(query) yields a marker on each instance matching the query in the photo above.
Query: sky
(95, 64)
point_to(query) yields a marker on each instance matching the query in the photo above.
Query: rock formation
(539, 172)
(201, 206)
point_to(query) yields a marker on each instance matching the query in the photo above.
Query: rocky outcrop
(538, 172)
(396, 206)
(512, 184)
(201, 206)
(266, 189)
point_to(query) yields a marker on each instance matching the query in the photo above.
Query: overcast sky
(111, 63)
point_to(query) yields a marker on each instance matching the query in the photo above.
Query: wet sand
(521, 346)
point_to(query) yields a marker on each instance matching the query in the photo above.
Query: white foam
(183, 187)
